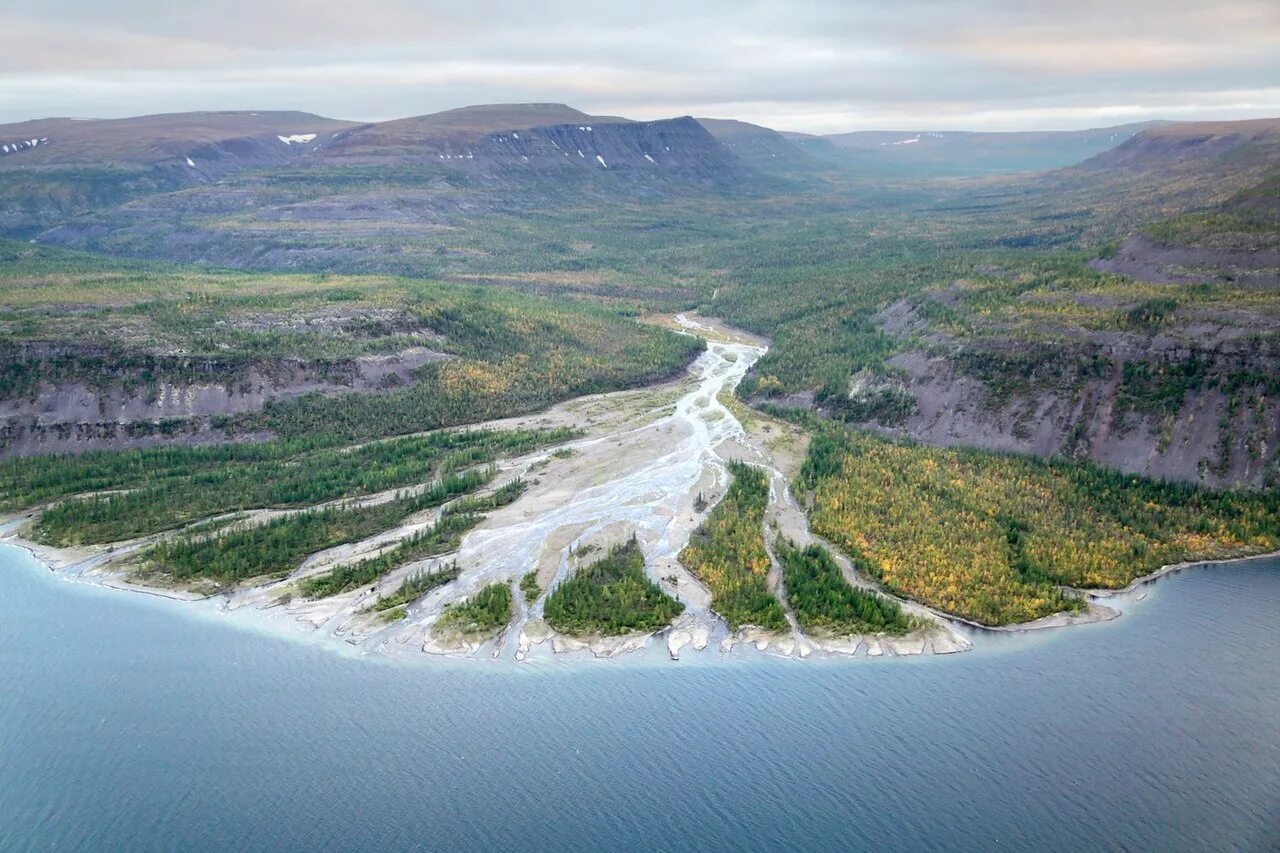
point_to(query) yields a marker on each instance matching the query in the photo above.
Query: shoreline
(649, 424)
(1174, 568)
(1096, 612)
(666, 645)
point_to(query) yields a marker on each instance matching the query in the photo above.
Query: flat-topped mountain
(1251, 142)
(159, 139)
(52, 170)
(761, 147)
(496, 141)
(456, 129)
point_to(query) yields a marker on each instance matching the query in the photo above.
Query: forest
(137, 327)
(483, 614)
(994, 538)
(441, 537)
(728, 554)
(394, 606)
(301, 479)
(610, 596)
(824, 602)
(280, 545)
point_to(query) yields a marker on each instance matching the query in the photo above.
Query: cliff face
(64, 398)
(1211, 436)
(1178, 390)
(1237, 242)
(671, 149)
(365, 199)
(678, 149)
(277, 201)
(1147, 259)
(761, 147)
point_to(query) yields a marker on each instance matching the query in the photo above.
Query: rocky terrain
(78, 165)
(117, 408)
(360, 197)
(547, 197)
(1237, 241)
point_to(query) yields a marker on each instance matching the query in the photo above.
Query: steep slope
(1237, 241)
(497, 141)
(378, 197)
(760, 147)
(1034, 353)
(157, 139)
(1223, 146)
(1169, 170)
(1212, 198)
(451, 130)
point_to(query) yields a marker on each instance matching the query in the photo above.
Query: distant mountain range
(149, 185)
(191, 147)
(936, 152)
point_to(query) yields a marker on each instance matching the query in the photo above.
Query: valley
(436, 385)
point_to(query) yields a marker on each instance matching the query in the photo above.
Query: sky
(825, 66)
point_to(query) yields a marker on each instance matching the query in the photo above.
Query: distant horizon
(811, 66)
(781, 129)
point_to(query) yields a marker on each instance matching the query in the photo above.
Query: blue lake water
(127, 724)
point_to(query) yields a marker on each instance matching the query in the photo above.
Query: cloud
(824, 65)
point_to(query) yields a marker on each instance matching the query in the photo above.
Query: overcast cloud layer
(817, 66)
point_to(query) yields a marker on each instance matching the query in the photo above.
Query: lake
(132, 722)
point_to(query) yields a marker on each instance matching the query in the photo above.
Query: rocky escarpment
(57, 169)
(1203, 144)
(64, 398)
(369, 197)
(761, 147)
(1213, 435)
(622, 151)
(1236, 242)
(1192, 401)
(1147, 259)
